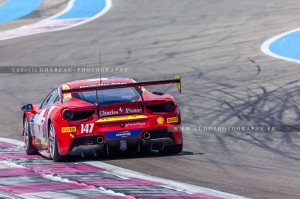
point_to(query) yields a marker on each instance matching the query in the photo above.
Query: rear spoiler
(65, 90)
(177, 81)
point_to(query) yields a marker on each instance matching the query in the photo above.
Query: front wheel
(53, 149)
(30, 149)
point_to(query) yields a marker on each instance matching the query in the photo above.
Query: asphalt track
(227, 80)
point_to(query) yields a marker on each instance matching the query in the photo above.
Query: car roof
(96, 81)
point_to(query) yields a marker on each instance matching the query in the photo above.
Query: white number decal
(87, 128)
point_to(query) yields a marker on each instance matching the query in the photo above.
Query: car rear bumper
(121, 146)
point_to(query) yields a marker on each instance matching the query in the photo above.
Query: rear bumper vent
(81, 115)
(157, 108)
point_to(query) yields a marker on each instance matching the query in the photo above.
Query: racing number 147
(87, 128)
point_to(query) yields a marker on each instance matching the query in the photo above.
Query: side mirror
(27, 108)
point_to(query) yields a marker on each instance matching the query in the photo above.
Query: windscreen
(109, 96)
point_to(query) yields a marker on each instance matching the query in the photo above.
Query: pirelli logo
(172, 120)
(69, 129)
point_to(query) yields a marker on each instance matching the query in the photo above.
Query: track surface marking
(78, 12)
(15, 9)
(24, 176)
(285, 46)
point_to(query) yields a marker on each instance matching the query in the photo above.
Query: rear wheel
(170, 150)
(30, 149)
(53, 148)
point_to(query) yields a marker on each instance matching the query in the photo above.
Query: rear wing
(177, 81)
(67, 91)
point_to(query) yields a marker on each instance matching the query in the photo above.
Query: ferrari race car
(103, 116)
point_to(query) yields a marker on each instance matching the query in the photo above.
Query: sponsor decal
(87, 128)
(69, 129)
(160, 120)
(96, 85)
(121, 118)
(135, 124)
(66, 95)
(172, 120)
(65, 87)
(120, 111)
(178, 84)
(134, 110)
(105, 113)
(123, 134)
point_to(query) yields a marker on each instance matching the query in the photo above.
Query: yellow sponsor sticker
(66, 87)
(160, 120)
(178, 84)
(69, 129)
(172, 120)
(121, 118)
(67, 95)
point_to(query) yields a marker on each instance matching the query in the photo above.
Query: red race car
(103, 116)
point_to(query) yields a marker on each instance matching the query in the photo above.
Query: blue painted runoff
(15, 9)
(84, 9)
(287, 46)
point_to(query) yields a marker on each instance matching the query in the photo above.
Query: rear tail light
(163, 107)
(169, 106)
(67, 114)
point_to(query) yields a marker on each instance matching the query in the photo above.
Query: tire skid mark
(254, 104)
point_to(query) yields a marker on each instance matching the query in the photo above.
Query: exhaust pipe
(100, 140)
(146, 135)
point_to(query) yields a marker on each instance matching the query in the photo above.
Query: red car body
(103, 116)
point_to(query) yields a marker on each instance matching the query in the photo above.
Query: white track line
(265, 47)
(170, 183)
(69, 7)
(12, 141)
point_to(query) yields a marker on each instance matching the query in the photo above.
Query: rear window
(109, 96)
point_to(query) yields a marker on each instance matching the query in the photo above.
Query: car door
(40, 120)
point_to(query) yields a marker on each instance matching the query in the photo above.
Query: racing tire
(172, 150)
(30, 149)
(53, 148)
